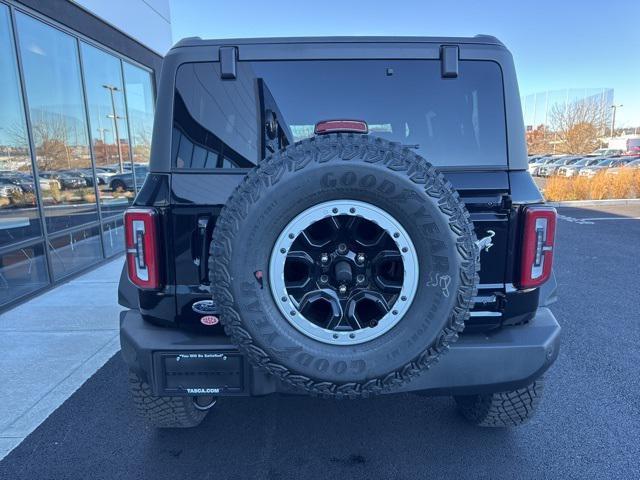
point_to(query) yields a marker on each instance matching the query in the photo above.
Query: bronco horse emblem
(485, 243)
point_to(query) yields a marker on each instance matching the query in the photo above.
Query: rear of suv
(339, 217)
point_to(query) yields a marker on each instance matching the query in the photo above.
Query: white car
(49, 183)
(535, 165)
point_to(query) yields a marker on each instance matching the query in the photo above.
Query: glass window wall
(140, 107)
(19, 218)
(109, 132)
(58, 121)
(75, 138)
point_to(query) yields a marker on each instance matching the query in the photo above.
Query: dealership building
(78, 93)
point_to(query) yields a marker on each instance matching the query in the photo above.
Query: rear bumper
(509, 358)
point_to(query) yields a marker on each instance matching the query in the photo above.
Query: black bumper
(176, 362)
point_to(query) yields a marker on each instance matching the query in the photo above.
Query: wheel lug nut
(324, 278)
(342, 289)
(373, 323)
(360, 278)
(324, 258)
(360, 258)
(342, 248)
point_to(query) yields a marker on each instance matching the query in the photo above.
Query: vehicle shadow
(285, 436)
(96, 434)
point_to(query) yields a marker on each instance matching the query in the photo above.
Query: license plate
(201, 373)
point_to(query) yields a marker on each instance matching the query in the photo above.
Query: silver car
(591, 171)
(552, 168)
(630, 165)
(574, 169)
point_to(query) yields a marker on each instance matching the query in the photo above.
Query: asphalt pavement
(588, 425)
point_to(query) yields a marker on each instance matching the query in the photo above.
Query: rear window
(236, 123)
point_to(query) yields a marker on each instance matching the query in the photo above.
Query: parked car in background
(574, 168)
(65, 179)
(47, 184)
(633, 164)
(84, 173)
(22, 180)
(604, 152)
(124, 181)
(536, 158)
(602, 166)
(534, 167)
(104, 174)
(8, 188)
(26, 182)
(550, 169)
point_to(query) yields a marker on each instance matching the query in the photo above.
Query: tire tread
(163, 412)
(503, 409)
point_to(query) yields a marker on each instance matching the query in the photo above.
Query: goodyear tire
(502, 409)
(394, 336)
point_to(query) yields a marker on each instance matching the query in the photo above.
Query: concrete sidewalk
(50, 345)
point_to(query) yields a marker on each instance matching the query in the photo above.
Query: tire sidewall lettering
(322, 365)
(350, 178)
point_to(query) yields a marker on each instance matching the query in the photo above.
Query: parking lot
(587, 426)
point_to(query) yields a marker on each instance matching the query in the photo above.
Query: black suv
(339, 217)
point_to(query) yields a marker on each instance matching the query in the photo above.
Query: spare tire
(344, 265)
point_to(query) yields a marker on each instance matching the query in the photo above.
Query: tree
(538, 140)
(577, 125)
(141, 142)
(52, 147)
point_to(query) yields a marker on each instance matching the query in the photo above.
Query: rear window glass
(236, 123)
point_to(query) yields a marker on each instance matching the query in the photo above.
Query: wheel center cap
(343, 272)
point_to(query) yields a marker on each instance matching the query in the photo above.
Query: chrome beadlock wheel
(343, 272)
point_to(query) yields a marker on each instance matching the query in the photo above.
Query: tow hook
(204, 403)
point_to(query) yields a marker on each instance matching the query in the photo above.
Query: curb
(589, 203)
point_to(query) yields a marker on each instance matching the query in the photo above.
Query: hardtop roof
(477, 40)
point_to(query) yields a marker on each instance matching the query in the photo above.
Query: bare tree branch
(577, 125)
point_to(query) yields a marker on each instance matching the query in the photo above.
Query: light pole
(613, 118)
(101, 131)
(115, 118)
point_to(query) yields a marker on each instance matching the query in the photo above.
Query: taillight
(341, 126)
(142, 249)
(537, 246)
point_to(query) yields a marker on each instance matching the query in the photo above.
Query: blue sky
(556, 44)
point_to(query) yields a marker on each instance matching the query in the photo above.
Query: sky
(555, 44)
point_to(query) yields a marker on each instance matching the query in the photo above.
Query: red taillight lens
(537, 246)
(341, 126)
(142, 250)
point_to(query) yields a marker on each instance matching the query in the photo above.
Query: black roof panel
(199, 42)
